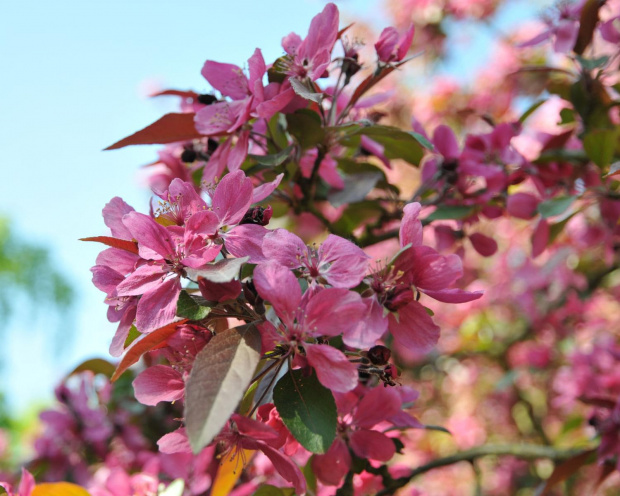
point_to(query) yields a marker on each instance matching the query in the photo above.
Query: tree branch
(525, 451)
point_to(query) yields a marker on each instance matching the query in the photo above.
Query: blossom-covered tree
(327, 297)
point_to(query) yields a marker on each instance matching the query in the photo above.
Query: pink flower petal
(522, 205)
(414, 328)
(279, 286)
(247, 240)
(232, 198)
(411, 227)
(264, 190)
(158, 383)
(285, 248)
(484, 245)
(332, 312)
(445, 142)
(175, 442)
(376, 405)
(333, 369)
(331, 467)
(113, 214)
(145, 278)
(372, 445)
(158, 307)
(346, 262)
(370, 327)
(149, 234)
(228, 79)
(540, 237)
(283, 464)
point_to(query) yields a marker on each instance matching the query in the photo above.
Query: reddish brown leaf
(147, 343)
(169, 129)
(565, 469)
(558, 140)
(180, 93)
(344, 30)
(587, 24)
(607, 469)
(121, 244)
(368, 83)
(600, 401)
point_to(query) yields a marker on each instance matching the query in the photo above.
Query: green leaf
(96, 365)
(221, 271)
(248, 399)
(567, 116)
(531, 110)
(397, 144)
(268, 490)
(591, 64)
(445, 212)
(556, 228)
(308, 410)
(356, 187)
(422, 140)
(303, 91)
(437, 428)
(355, 214)
(305, 126)
(277, 127)
(188, 308)
(600, 145)
(556, 206)
(310, 476)
(274, 159)
(218, 380)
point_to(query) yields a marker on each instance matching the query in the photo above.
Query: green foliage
(28, 270)
(308, 409)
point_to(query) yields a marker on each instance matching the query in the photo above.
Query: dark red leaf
(368, 83)
(169, 129)
(344, 30)
(180, 93)
(565, 469)
(607, 469)
(147, 343)
(121, 244)
(587, 24)
(600, 401)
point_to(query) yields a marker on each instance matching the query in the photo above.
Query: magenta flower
(242, 433)
(388, 47)
(337, 262)
(311, 57)
(167, 382)
(323, 312)
(394, 304)
(522, 205)
(359, 412)
(167, 255)
(25, 487)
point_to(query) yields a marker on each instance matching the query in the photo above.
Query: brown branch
(524, 451)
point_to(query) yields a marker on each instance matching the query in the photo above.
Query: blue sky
(73, 82)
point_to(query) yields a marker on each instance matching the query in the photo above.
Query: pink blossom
(337, 262)
(310, 57)
(25, 487)
(360, 411)
(388, 47)
(322, 312)
(167, 254)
